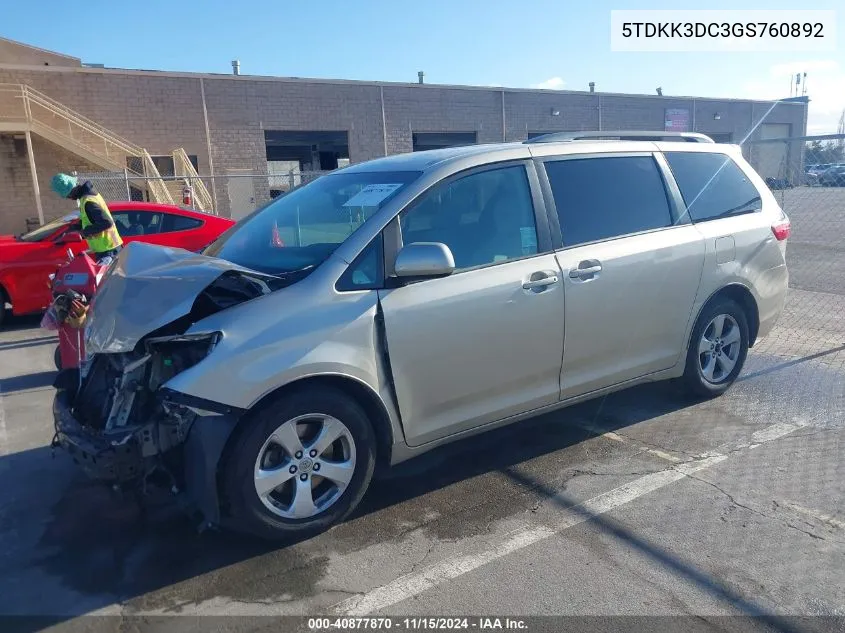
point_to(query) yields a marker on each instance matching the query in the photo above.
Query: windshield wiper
(295, 272)
(288, 277)
(745, 206)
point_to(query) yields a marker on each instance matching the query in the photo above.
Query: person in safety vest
(96, 220)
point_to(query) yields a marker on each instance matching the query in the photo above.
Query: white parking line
(819, 516)
(417, 582)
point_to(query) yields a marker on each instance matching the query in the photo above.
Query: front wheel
(2, 307)
(717, 349)
(302, 463)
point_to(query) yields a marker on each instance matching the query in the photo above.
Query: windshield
(45, 231)
(300, 229)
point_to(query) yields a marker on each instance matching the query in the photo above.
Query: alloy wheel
(304, 466)
(719, 348)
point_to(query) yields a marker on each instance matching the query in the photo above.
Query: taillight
(781, 230)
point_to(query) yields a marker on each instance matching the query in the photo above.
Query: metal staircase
(185, 171)
(24, 109)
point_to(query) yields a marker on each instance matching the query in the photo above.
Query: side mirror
(424, 260)
(71, 237)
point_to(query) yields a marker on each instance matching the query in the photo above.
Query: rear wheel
(717, 350)
(301, 465)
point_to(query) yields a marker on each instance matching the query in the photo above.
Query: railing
(12, 104)
(22, 104)
(184, 168)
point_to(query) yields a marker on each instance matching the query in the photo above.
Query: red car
(27, 261)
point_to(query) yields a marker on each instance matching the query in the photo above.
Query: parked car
(27, 261)
(833, 176)
(813, 172)
(420, 299)
(777, 184)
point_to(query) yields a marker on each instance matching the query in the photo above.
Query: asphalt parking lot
(641, 503)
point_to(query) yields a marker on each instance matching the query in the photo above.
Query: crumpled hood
(149, 287)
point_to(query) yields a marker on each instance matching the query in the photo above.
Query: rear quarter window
(712, 185)
(173, 222)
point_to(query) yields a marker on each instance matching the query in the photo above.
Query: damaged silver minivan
(396, 305)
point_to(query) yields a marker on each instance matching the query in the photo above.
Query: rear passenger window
(713, 185)
(603, 198)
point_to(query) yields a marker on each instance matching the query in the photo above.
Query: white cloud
(555, 83)
(825, 87)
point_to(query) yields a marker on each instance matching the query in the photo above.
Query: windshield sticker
(529, 240)
(372, 195)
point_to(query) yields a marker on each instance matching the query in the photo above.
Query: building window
(164, 164)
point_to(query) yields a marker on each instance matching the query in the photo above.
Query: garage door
(771, 158)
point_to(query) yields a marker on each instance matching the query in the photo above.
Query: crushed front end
(117, 422)
(115, 415)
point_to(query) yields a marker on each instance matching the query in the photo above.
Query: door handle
(540, 283)
(589, 271)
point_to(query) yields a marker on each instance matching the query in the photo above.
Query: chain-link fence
(234, 194)
(807, 176)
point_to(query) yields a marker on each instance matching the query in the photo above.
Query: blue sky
(555, 43)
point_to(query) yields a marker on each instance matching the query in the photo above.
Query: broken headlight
(171, 355)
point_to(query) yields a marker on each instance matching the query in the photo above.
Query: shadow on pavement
(27, 381)
(96, 543)
(103, 546)
(790, 363)
(686, 570)
(17, 323)
(32, 342)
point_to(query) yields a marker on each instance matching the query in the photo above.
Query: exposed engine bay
(112, 414)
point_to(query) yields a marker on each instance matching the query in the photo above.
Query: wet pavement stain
(460, 490)
(98, 542)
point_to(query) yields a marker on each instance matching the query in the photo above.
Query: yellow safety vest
(107, 240)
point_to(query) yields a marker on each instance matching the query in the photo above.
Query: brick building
(235, 124)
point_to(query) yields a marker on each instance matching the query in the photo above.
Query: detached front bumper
(113, 458)
(117, 458)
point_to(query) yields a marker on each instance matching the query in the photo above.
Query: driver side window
(484, 218)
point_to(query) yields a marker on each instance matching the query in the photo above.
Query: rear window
(712, 185)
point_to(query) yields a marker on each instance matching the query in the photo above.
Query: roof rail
(688, 137)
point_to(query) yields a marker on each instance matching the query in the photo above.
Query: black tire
(693, 380)
(246, 511)
(2, 307)
(57, 358)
